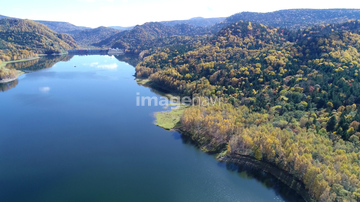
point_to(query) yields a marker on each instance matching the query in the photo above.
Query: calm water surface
(75, 134)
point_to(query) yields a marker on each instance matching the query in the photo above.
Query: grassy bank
(170, 119)
(167, 119)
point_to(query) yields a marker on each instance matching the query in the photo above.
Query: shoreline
(288, 179)
(8, 80)
(3, 66)
(243, 160)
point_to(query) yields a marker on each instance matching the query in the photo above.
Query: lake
(71, 131)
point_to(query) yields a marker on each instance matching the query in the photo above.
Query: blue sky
(94, 13)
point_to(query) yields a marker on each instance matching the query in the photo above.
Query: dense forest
(25, 38)
(292, 98)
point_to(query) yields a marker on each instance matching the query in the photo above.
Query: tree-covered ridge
(3, 16)
(299, 85)
(24, 38)
(293, 18)
(62, 27)
(91, 36)
(137, 39)
(143, 37)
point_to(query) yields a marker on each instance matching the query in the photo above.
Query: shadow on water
(9, 85)
(247, 172)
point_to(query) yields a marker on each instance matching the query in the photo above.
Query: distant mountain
(62, 27)
(143, 36)
(90, 36)
(83, 35)
(59, 27)
(121, 28)
(293, 18)
(24, 38)
(3, 16)
(197, 22)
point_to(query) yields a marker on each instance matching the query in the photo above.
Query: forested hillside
(62, 27)
(148, 35)
(2, 17)
(293, 18)
(91, 36)
(292, 99)
(25, 38)
(142, 37)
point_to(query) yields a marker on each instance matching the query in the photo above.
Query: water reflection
(50, 61)
(8, 85)
(38, 64)
(32, 65)
(133, 60)
(246, 172)
(267, 180)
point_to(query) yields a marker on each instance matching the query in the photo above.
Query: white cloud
(109, 66)
(45, 89)
(94, 64)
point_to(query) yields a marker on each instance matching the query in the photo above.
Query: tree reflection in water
(8, 85)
